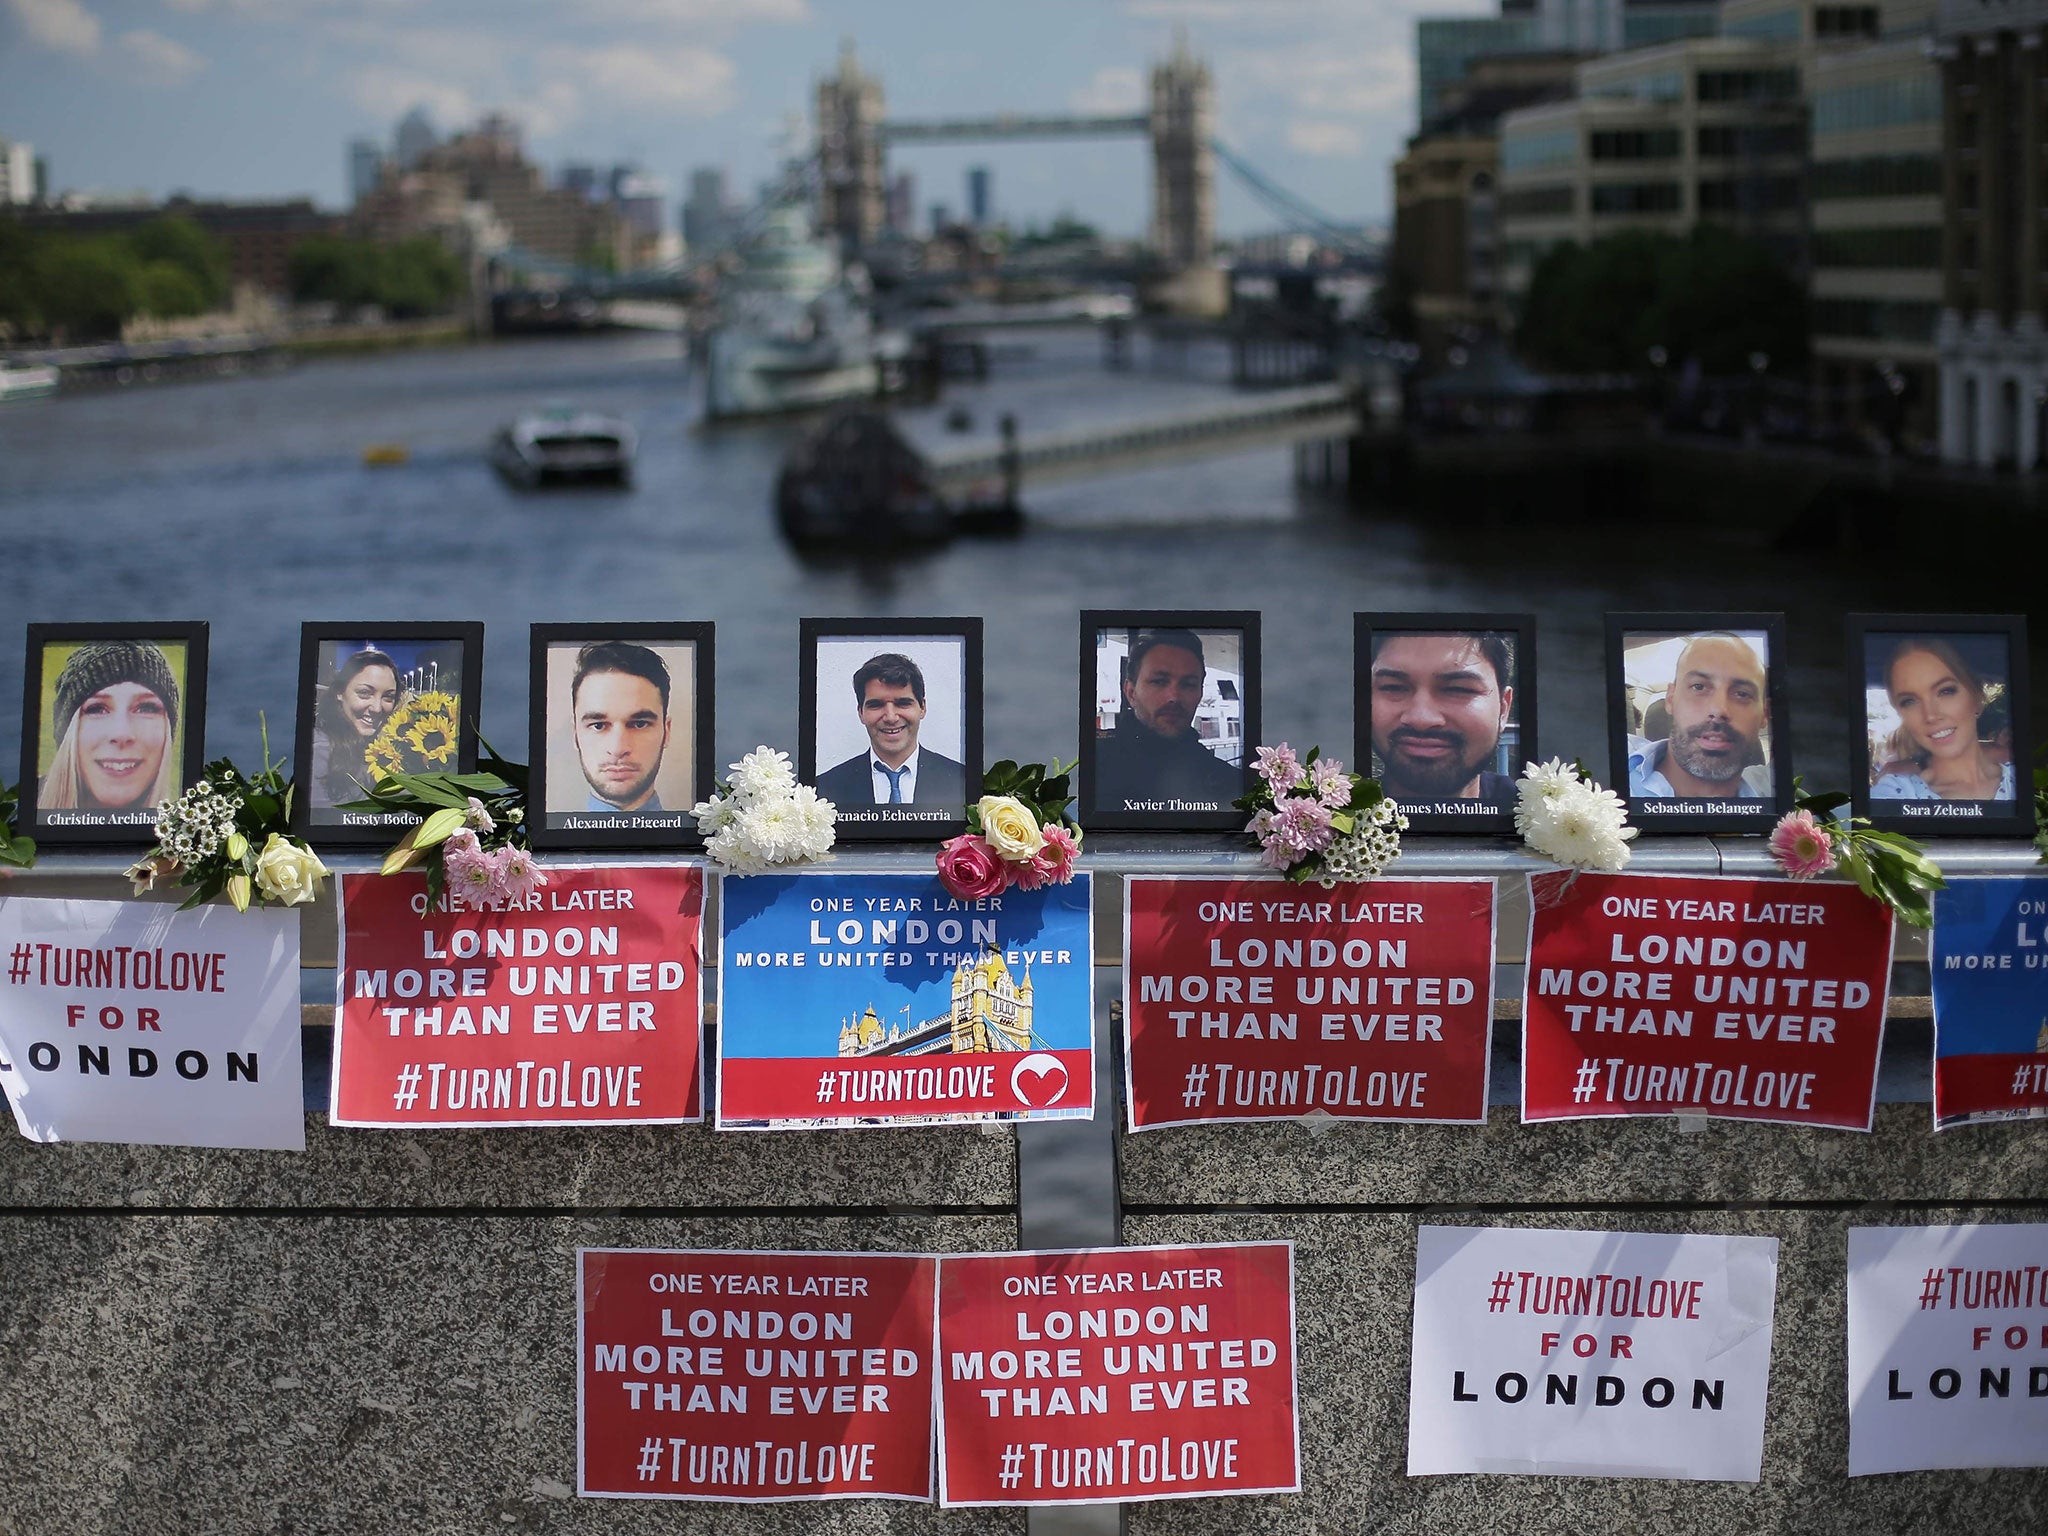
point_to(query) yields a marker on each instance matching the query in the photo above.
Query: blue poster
(1989, 958)
(883, 999)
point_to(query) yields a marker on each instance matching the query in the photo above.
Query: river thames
(246, 503)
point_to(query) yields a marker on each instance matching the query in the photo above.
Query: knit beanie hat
(106, 662)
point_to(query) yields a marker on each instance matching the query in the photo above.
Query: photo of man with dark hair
(1154, 757)
(1440, 703)
(618, 701)
(889, 701)
(617, 732)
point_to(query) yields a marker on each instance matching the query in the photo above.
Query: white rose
(288, 872)
(1010, 828)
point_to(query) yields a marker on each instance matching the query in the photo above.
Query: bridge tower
(1182, 122)
(853, 201)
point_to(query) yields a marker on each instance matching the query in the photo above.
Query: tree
(181, 243)
(1712, 296)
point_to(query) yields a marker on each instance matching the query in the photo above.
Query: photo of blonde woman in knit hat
(109, 719)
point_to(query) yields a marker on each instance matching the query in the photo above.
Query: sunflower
(420, 735)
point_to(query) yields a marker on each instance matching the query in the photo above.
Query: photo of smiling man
(1699, 716)
(1445, 714)
(619, 732)
(892, 722)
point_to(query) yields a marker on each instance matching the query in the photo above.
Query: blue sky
(251, 98)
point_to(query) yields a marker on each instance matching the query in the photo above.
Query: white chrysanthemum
(820, 818)
(713, 814)
(729, 848)
(763, 771)
(1585, 828)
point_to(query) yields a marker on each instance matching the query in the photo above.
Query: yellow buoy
(380, 454)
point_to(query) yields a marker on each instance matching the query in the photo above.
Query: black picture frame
(1126, 814)
(1476, 815)
(673, 826)
(1701, 816)
(864, 821)
(128, 826)
(325, 827)
(1938, 817)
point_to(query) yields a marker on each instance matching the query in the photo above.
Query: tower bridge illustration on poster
(990, 1010)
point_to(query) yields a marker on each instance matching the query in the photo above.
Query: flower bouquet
(15, 849)
(1314, 821)
(1568, 818)
(229, 833)
(761, 817)
(1018, 833)
(1814, 838)
(471, 838)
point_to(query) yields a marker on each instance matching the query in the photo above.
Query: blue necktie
(895, 780)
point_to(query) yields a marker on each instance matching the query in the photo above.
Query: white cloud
(63, 25)
(1322, 137)
(1115, 88)
(695, 82)
(387, 92)
(157, 59)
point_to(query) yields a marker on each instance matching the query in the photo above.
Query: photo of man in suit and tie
(899, 775)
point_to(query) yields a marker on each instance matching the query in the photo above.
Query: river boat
(795, 331)
(565, 447)
(25, 381)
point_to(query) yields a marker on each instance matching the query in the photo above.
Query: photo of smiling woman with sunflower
(375, 702)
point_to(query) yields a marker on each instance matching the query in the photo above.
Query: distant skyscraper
(902, 202)
(18, 182)
(580, 179)
(365, 165)
(415, 136)
(706, 217)
(979, 182)
(942, 215)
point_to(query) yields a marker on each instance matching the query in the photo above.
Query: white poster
(135, 1022)
(1590, 1354)
(1948, 1347)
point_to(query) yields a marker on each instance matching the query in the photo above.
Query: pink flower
(970, 869)
(461, 840)
(470, 875)
(1802, 846)
(1303, 825)
(518, 876)
(1279, 767)
(1332, 785)
(1053, 864)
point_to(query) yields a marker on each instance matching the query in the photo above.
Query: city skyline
(1318, 94)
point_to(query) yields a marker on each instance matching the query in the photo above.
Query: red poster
(1260, 1000)
(581, 1006)
(1098, 1375)
(753, 1377)
(1703, 995)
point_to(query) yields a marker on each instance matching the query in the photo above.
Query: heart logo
(1039, 1080)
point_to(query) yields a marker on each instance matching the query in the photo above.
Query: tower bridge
(855, 134)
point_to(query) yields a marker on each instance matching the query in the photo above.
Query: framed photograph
(1445, 713)
(620, 737)
(1169, 717)
(377, 699)
(113, 722)
(1698, 731)
(1939, 706)
(889, 723)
